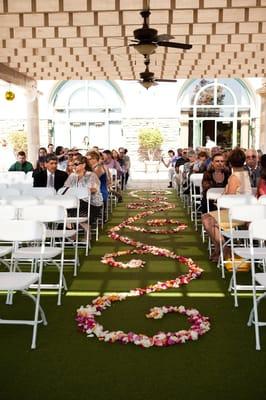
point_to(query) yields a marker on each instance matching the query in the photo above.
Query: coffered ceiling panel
(90, 39)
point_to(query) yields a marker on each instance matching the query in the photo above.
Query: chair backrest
(228, 200)
(214, 193)
(79, 192)
(67, 201)
(196, 182)
(257, 229)
(262, 199)
(14, 176)
(247, 213)
(7, 192)
(39, 192)
(8, 212)
(22, 201)
(17, 230)
(43, 213)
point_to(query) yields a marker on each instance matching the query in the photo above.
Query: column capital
(262, 91)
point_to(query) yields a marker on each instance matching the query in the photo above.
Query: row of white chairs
(28, 238)
(10, 177)
(249, 210)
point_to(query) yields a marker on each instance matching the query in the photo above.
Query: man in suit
(51, 176)
(252, 167)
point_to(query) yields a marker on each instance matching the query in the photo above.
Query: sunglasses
(251, 156)
(77, 164)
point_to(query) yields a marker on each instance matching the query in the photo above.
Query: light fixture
(146, 49)
(147, 84)
(9, 95)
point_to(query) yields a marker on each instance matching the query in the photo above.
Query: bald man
(252, 166)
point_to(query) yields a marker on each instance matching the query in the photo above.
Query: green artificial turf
(223, 364)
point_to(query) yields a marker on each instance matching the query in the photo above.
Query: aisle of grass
(67, 365)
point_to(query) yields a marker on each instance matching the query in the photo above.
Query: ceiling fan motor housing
(147, 76)
(145, 35)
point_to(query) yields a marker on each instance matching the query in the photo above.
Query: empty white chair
(257, 231)
(7, 212)
(262, 199)
(14, 177)
(195, 196)
(39, 192)
(225, 202)
(19, 231)
(68, 202)
(245, 213)
(8, 192)
(46, 213)
(80, 193)
(22, 201)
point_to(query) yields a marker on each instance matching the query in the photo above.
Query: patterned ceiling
(88, 39)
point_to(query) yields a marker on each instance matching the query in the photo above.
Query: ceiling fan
(147, 39)
(147, 78)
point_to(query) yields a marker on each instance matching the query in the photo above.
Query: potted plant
(150, 141)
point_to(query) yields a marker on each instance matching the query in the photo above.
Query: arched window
(222, 109)
(86, 114)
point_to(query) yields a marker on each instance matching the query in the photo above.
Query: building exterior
(110, 114)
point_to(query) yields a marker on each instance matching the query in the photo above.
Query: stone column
(262, 141)
(244, 139)
(33, 135)
(184, 130)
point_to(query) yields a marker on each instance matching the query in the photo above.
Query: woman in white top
(238, 183)
(84, 177)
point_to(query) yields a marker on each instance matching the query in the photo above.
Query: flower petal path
(86, 316)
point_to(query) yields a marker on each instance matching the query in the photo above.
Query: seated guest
(83, 177)
(94, 161)
(200, 163)
(51, 176)
(252, 166)
(61, 157)
(40, 166)
(238, 183)
(261, 189)
(21, 164)
(215, 177)
(111, 163)
(50, 148)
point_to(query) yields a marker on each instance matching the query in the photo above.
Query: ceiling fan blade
(175, 45)
(165, 80)
(164, 37)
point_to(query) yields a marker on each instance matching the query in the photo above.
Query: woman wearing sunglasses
(83, 177)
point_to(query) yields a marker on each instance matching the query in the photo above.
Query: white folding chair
(245, 213)
(39, 192)
(257, 232)
(22, 201)
(195, 196)
(20, 231)
(81, 193)
(225, 202)
(262, 199)
(7, 212)
(46, 214)
(68, 202)
(15, 177)
(8, 192)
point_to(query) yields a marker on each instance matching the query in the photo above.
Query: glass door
(224, 134)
